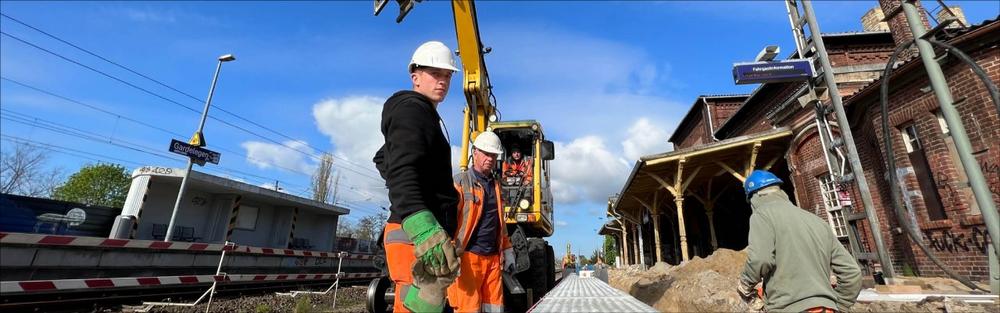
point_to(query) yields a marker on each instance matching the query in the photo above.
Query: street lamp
(197, 140)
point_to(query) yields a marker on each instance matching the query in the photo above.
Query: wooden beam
(690, 178)
(643, 203)
(699, 198)
(771, 163)
(680, 178)
(662, 182)
(675, 156)
(753, 158)
(721, 192)
(736, 174)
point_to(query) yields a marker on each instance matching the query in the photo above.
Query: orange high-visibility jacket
(522, 168)
(470, 208)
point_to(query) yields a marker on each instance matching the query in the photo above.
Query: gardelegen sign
(198, 155)
(772, 72)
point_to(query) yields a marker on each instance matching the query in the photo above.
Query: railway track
(110, 300)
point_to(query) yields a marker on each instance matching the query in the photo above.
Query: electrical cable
(313, 155)
(891, 160)
(156, 81)
(117, 115)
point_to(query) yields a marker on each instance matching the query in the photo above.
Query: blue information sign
(197, 154)
(772, 72)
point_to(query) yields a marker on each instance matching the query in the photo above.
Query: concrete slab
(67, 257)
(16, 256)
(124, 258)
(576, 294)
(173, 260)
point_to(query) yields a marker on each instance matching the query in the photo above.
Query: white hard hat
(433, 54)
(488, 142)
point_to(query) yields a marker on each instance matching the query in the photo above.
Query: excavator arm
(480, 106)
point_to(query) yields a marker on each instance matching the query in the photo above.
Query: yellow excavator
(528, 207)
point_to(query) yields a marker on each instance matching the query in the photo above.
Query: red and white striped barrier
(94, 283)
(78, 241)
(306, 253)
(97, 242)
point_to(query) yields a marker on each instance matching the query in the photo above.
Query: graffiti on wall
(946, 241)
(991, 170)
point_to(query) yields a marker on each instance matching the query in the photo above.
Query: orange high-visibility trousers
(479, 287)
(399, 258)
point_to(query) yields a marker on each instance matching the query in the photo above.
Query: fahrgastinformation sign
(197, 154)
(773, 72)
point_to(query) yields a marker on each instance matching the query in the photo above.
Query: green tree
(610, 249)
(583, 260)
(100, 184)
(370, 226)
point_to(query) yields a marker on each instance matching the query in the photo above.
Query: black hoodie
(415, 160)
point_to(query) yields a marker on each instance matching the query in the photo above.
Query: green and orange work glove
(428, 292)
(432, 246)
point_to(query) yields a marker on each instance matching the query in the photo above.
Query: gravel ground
(708, 285)
(349, 299)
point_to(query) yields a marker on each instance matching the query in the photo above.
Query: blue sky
(608, 80)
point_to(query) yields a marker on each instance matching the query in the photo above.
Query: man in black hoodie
(415, 162)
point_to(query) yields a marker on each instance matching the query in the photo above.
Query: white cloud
(150, 16)
(586, 171)
(165, 16)
(644, 137)
(352, 123)
(286, 157)
(561, 223)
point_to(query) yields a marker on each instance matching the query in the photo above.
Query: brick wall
(897, 25)
(697, 134)
(722, 110)
(960, 240)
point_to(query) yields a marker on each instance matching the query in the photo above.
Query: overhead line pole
(852, 151)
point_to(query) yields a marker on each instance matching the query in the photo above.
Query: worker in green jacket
(794, 252)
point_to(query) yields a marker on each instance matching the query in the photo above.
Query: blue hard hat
(759, 179)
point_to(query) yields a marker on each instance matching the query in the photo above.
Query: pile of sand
(699, 285)
(709, 285)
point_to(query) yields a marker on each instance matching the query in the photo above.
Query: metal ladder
(834, 155)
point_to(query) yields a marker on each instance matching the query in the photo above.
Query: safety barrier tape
(79, 241)
(94, 283)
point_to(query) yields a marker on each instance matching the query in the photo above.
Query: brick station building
(667, 210)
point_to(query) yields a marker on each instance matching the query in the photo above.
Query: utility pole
(847, 138)
(197, 140)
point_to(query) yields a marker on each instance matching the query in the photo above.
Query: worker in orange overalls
(518, 166)
(416, 164)
(482, 233)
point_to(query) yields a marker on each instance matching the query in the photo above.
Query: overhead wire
(130, 119)
(119, 116)
(189, 108)
(29, 120)
(161, 83)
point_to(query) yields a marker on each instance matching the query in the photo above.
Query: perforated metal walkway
(588, 294)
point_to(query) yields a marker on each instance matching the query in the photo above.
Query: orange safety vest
(522, 169)
(470, 208)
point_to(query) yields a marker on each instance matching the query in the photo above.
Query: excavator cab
(524, 181)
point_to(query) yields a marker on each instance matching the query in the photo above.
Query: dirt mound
(699, 285)
(709, 285)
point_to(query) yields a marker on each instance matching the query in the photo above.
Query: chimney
(897, 20)
(872, 21)
(943, 15)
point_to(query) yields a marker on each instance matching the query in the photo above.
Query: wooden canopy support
(708, 202)
(680, 170)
